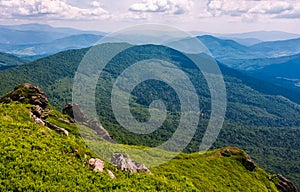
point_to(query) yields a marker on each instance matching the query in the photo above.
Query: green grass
(35, 158)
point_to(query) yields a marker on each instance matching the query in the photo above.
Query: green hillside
(7, 61)
(258, 118)
(35, 158)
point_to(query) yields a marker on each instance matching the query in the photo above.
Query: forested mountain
(259, 118)
(8, 60)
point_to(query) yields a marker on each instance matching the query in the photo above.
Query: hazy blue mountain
(289, 69)
(48, 28)
(245, 41)
(8, 61)
(36, 34)
(278, 48)
(255, 36)
(283, 71)
(223, 49)
(16, 37)
(43, 49)
(263, 35)
(252, 65)
(230, 49)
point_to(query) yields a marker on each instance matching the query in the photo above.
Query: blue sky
(218, 16)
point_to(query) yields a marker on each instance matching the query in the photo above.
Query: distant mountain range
(54, 46)
(251, 38)
(275, 61)
(32, 41)
(247, 52)
(36, 34)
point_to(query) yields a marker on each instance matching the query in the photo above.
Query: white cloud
(227, 7)
(51, 9)
(96, 4)
(176, 7)
(249, 9)
(271, 7)
(291, 13)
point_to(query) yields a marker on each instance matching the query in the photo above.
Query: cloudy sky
(218, 16)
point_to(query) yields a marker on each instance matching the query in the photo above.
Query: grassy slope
(32, 157)
(36, 158)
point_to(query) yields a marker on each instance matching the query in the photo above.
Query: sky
(215, 16)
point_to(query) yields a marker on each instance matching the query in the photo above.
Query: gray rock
(96, 165)
(74, 111)
(111, 175)
(249, 163)
(124, 163)
(284, 185)
(37, 111)
(56, 128)
(28, 94)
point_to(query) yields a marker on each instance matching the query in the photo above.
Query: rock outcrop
(56, 128)
(30, 94)
(124, 163)
(74, 111)
(249, 163)
(78, 116)
(246, 160)
(285, 185)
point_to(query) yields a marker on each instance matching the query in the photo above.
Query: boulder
(96, 165)
(124, 163)
(249, 163)
(284, 185)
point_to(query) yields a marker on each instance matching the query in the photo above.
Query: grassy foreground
(35, 158)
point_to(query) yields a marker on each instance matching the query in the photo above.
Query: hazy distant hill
(251, 38)
(33, 41)
(48, 28)
(263, 35)
(278, 48)
(66, 43)
(36, 34)
(283, 71)
(7, 61)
